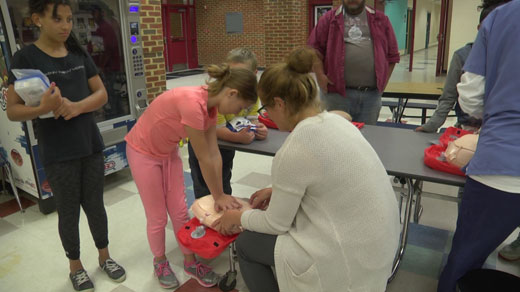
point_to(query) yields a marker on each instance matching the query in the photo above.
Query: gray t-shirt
(359, 52)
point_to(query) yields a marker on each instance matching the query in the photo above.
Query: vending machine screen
(134, 28)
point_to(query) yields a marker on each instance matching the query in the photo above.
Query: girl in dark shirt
(70, 145)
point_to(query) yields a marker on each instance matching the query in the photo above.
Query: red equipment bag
(267, 121)
(452, 134)
(434, 155)
(358, 125)
(434, 158)
(209, 246)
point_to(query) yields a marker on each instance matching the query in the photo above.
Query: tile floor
(32, 259)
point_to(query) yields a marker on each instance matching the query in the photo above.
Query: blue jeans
(363, 105)
(200, 188)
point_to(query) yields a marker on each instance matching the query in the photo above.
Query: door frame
(441, 37)
(190, 33)
(168, 39)
(412, 36)
(428, 29)
(408, 30)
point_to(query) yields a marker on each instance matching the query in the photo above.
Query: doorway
(428, 23)
(442, 38)
(180, 40)
(409, 28)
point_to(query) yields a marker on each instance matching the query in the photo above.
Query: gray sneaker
(165, 274)
(114, 271)
(81, 281)
(511, 252)
(202, 273)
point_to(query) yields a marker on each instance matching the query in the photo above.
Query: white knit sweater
(333, 209)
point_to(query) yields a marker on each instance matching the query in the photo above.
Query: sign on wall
(319, 11)
(234, 22)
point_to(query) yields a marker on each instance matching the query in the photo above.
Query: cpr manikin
(204, 209)
(460, 151)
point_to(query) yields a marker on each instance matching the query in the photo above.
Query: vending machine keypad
(137, 63)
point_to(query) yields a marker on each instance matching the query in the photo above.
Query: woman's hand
(229, 223)
(68, 109)
(260, 199)
(261, 131)
(226, 202)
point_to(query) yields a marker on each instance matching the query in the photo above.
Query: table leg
(393, 109)
(403, 107)
(418, 207)
(4, 191)
(397, 114)
(404, 232)
(232, 257)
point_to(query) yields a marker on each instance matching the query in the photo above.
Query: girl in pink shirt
(153, 155)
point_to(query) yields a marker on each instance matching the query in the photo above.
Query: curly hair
(43, 6)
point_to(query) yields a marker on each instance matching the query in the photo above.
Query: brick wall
(213, 41)
(285, 28)
(272, 28)
(152, 36)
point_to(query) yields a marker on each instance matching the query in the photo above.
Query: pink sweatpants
(161, 186)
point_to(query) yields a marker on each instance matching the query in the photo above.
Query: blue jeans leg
(369, 106)
(363, 105)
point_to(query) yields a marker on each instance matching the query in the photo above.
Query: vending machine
(110, 31)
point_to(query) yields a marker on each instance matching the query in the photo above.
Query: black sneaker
(81, 281)
(114, 271)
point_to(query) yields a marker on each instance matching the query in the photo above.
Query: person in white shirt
(330, 221)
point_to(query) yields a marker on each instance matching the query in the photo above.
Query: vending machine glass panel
(97, 27)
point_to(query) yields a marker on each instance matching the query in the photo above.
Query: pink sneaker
(202, 273)
(164, 273)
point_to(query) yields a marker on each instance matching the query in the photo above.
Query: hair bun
(301, 60)
(219, 72)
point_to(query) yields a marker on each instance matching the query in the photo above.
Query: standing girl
(152, 152)
(75, 169)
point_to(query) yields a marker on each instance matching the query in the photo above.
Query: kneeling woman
(330, 221)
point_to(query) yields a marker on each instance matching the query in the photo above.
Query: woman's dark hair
(488, 6)
(39, 7)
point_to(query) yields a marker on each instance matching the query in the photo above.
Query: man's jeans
(363, 105)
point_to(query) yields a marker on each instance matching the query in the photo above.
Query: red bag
(358, 125)
(434, 155)
(209, 246)
(267, 121)
(434, 158)
(452, 134)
